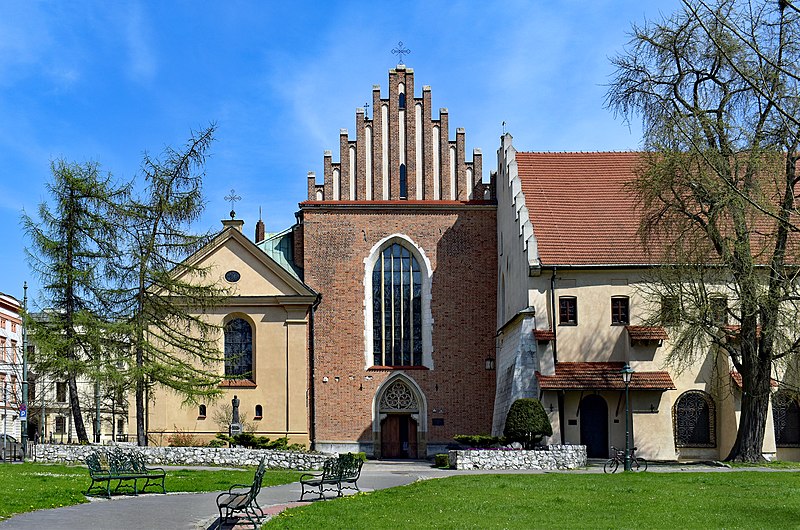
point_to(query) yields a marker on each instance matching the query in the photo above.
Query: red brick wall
(460, 242)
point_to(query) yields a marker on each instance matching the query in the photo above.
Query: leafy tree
(527, 422)
(716, 86)
(72, 243)
(164, 295)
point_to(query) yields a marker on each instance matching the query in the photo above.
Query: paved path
(198, 510)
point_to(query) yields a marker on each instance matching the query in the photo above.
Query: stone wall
(188, 456)
(553, 457)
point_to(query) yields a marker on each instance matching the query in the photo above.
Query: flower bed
(550, 457)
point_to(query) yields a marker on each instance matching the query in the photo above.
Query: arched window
(694, 420)
(238, 349)
(259, 412)
(786, 417)
(201, 413)
(401, 100)
(397, 308)
(403, 182)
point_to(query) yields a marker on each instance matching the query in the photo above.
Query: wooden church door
(399, 436)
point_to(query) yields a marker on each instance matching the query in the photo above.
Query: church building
(413, 301)
(400, 241)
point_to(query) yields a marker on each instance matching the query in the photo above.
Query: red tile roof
(544, 334)
(647, 332)
(737, 378)
(581, 212)
(601, 376)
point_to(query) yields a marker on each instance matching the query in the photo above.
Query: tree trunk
(141, 433)
(749, 443)
(75, 406)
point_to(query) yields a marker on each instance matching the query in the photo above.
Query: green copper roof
(280, 247)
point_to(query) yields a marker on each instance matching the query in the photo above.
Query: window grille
(786, 418)
(694, 420)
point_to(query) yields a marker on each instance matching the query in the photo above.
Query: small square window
(567, 310)
(620, 310)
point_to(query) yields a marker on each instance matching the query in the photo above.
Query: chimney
(259, 228)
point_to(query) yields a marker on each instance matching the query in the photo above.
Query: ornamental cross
(233, 198)
(400, 51)
(366, 110)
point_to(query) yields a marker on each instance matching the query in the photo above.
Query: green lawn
(741, 499)
(27, 487)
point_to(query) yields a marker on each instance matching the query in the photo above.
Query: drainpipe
(553, 315)
(312, 431)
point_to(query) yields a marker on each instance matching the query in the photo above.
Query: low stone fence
(186, 456)
(550, 457)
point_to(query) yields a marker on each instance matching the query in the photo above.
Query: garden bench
(154, 474)
(346, 468)
(349, 471)
(243, 499)
(122, 466)
(98, 472)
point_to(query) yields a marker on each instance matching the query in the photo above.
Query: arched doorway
(400, 418)
(594, 426)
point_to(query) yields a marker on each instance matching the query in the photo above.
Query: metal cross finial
(504, 127)
(366, 110)
(400, 51)
(233, 198)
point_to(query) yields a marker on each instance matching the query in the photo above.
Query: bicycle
(618, 459)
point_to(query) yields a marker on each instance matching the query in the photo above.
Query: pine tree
(72, 244)
(172, 345)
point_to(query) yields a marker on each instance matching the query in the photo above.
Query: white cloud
(142, 64)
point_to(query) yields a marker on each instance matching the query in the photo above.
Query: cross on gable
(400, 51)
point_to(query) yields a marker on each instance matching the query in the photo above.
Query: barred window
(786, 417)
(397, 308)
(694, 420)
(238, 349)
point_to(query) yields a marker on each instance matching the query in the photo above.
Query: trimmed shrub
(479, 441)
(527, 423)
(442, 461)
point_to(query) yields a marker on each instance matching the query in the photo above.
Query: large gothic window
(694, 420)
(238, 349)
(786, 417)
(397, 308)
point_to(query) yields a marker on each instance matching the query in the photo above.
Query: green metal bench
(243, 499)
(346, 468)
(316, 482)
(99, 472)
(151, 474)
(122, 466)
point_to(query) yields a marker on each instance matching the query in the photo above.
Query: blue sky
(107, 81)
